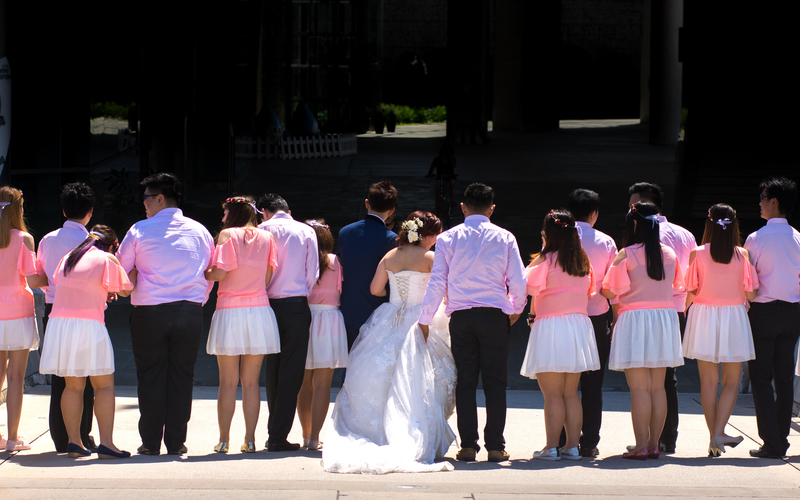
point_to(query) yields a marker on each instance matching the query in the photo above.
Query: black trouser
(480, 340)
(165, 340)
(592, 385)
(58, 431)
(285, 370)
(669, 436)
(776, 326)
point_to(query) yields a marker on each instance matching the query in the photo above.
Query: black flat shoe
(762, 453)
(147, 451)
(283, 446)
(104, 452)
(75, 451)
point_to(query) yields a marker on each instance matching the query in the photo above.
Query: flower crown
(4, 204)
(242, 200)
(558, 221)
(412, 227)
(722, 222)
(316, 223)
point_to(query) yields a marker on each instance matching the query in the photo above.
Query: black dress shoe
(763, 453)
(283, 446)
(666, 448)
(179, 451)
(590, 452)
(147, 451)
(90, 445)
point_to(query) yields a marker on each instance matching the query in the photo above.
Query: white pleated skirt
(19, 334)
(561, 344)
(243, 330)
(646, 338)
(76, 347)
(718, 334)
(327, 341)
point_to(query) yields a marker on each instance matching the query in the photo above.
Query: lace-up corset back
(407, 287)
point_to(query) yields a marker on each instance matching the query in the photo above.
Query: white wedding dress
(391, 414)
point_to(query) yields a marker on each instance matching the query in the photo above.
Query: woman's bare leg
(226, 396)
(321, 400)
(17, 363)
(104, 408)
(251, 394)
(72, 408)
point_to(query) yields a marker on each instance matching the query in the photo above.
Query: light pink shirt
(682, 242)
(55, 245)
(16, 262)
(328, 289)
(636, 290)
(476, 264)
(720, 284)
(601, 250)
(83, 292)
(245, 257)
(775, 253)
(298, 257)
(555, 292)
(171, 253)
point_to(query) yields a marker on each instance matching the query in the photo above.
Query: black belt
(175, 303)
(289, 300)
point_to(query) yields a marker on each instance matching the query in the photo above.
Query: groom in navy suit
(361, 247)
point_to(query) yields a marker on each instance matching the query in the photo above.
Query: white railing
(324, 146)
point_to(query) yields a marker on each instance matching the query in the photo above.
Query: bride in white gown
(391, 414)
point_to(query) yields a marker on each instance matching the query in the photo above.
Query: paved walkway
(41, 473)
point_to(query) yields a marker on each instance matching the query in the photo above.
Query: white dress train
(391, 414)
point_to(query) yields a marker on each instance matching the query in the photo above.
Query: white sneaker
(547, 454)
(570, 453)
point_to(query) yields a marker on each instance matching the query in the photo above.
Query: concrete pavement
(41, 473)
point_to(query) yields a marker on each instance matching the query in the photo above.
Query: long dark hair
(241, 211)
(561, 236)
(325, 243)
(722, 233)
(101, 237)
(645, 231)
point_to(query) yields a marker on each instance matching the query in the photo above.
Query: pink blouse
(84, 291)
(555, 292)
(245, 257)
(635, 289)
(720, 284)
(16, 262)
(328, 289)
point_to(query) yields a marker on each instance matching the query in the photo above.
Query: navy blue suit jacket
(360, 248)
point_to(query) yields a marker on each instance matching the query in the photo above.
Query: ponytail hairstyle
(417, 226)
(641, 226)
(722, 233)
(324, 243)
(561, 236)
(101, 237)
(10, 214)
(241, 211)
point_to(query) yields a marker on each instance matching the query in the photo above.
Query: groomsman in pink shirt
(775, 315)
(477, 266)
(682, 242)
(77, 205)
(167, 255)
(288, 291)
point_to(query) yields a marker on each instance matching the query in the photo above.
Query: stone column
(666, 72)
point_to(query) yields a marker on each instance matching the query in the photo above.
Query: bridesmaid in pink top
(18, 334)
(244, 327)
(562, 343)
(720, 280)
(646, 338)
(77, 345)
(327, 342)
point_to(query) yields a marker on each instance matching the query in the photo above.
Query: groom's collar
(378, 217)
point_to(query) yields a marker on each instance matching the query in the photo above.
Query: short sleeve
(536, 278)
(27, 260)
(617, 279)
(692, 279)
(593, 282)
(114, 277)
(225, 256)
(750, 278)
(272, 259)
